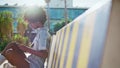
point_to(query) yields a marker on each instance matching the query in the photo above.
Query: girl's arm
(41, 53)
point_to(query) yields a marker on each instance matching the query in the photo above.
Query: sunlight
(35, 2)
(24, 2)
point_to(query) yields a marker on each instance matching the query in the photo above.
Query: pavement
(1, 66)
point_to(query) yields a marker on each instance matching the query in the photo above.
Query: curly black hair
(35, 14)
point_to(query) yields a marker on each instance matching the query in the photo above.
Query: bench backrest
(86, 41)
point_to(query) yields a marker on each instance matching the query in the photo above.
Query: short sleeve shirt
(40, 42)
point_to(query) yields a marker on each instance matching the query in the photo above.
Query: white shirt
(40, 43)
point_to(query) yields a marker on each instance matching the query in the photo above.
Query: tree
(6, 21)
(22, 26)
(6, 28)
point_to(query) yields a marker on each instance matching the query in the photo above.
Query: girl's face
(33, 25)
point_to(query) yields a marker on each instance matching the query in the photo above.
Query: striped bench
(92, 40)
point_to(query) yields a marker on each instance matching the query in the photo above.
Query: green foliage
(22, 25)
(20, 39)
(60, 24)
(3, 44)
(6, 27)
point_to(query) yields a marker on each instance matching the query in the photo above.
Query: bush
(20, 39)
(22, 26)
(60, 24)
(3, 44)
(6, 30)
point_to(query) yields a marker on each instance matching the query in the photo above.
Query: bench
(92, 40)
